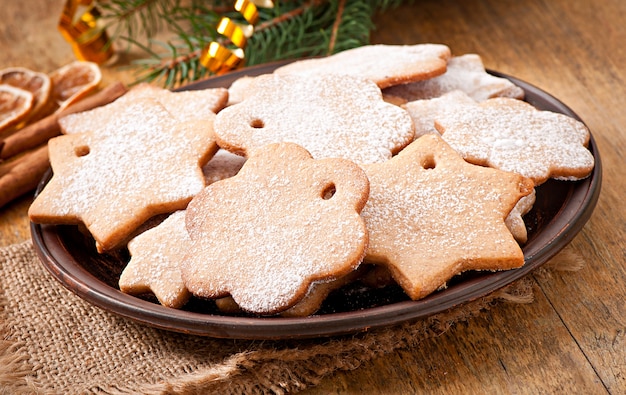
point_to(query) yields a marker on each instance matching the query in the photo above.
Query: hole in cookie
(81, 150)
(329, 192)
(429, 163)
(257, 123)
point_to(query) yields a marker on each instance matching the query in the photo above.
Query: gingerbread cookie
(283, 222)
(155, 260)
(431, 216)
(310, 303)
(114, 182)
(238, 90)
(424, 112)
(318, 292)
(515, 220)
(465, 73)
(386, 65)
(184, 106)
(331, 116)
(512, 135)
(222, 165)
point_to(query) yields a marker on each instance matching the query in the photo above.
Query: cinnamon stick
(41, 131)
(7, 165)
(23, 174)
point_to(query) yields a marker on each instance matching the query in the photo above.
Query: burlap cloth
(55, 343)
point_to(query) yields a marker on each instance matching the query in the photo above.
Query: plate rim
(50, 249)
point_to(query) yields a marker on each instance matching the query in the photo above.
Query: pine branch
(291, 29)
(335, 30)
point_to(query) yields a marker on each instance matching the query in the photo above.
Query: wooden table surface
(572, 338)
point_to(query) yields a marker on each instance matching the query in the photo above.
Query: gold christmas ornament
(80, 25)
(218, 58)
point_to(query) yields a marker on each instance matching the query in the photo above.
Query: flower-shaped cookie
(331, 116)
(154, 265)
(114, 182)
(431, 215)
(512, 135)
(282, 223)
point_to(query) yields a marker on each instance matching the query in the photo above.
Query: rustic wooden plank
(591, 304)
(513, 348)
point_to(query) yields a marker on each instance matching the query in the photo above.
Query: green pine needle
(289, 30)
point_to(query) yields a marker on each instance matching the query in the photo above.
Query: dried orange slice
(73, 82)
(34, 82)
(15, 105)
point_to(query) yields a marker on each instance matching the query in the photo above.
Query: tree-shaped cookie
(154, 265)
(431, 215)
(115, 181)
(512, 135)
(282, 223)
(331, 116)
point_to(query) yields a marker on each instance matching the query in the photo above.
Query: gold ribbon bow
(218, 58)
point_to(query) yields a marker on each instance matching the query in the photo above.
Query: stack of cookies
(400, 160)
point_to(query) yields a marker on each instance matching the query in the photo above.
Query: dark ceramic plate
(561, 210)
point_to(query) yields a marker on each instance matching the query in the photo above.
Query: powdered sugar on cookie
(114, 183)
(184, 106)
(465, 73)
(513, 135)
(283, 222)
(424, 112)
(431, 216)
(331, 116)
(386, 65)
(154, 264)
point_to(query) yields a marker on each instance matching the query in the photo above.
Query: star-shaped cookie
(201, 105)
(154, 263)
(115, 181)
(332, 116)
(424, 112)
(282, 223)
(512, 135)
(431, 215)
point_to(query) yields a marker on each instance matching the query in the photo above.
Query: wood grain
(572, 338)
(508, 340)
